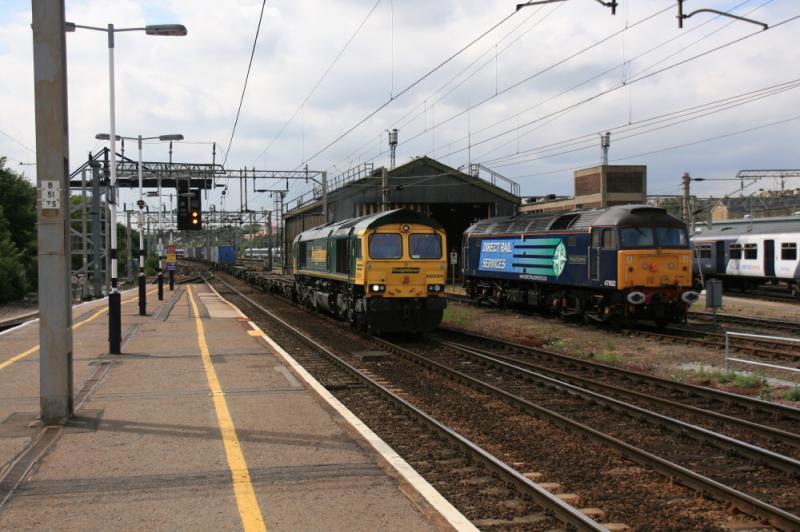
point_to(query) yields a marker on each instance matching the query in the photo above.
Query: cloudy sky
(528, 99)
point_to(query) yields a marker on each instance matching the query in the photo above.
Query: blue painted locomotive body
(630, 261)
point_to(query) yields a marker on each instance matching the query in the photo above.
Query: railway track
(776, 469)
(18, 320)
(449, 456)
(768, 349)
(768, 425)
(729, 472)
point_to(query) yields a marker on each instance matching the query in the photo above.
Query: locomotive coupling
(636, 298)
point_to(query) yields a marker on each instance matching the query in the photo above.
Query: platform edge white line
(454, 517)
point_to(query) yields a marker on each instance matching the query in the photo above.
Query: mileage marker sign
(50, 197)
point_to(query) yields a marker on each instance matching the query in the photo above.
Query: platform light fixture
(114, 299)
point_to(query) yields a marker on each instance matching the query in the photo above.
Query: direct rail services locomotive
(383, 272)
(627, 262)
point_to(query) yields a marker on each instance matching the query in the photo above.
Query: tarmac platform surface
(202, 423)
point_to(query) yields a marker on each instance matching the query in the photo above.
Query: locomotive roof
(370, 221)
(577, 220)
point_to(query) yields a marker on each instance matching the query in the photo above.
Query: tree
(13, 282)
(18, 202)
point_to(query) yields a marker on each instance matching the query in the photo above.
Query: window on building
(751, 251)
(425, 246)
(385, 246)
(789, 251)
(736, 251)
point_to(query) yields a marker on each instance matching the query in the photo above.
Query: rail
(749, 336)
(353, 174)
(479, 171)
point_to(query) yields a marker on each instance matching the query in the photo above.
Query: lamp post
(114, 311)
(140, 204)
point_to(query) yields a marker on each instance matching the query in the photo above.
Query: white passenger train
(749, 252)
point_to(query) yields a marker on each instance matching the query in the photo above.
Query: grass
(792, 394)
(607, 355)
(747, 381)
(457, 315)
(705, 376)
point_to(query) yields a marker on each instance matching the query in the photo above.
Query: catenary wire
(246, 78)
(319, 81)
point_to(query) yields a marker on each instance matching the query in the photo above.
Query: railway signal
(190, 208)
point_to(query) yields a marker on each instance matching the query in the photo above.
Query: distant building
(765, 204)
(600, 186)
(454, 197)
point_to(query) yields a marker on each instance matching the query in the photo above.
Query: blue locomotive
(621, 262)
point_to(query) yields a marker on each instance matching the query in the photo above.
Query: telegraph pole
(52, 160)
(686, 181)
(384, 189)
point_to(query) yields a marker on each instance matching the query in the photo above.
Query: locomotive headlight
(435, 288)
(376, 288)
(671, 266)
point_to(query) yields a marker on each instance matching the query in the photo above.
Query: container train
(746, 255)
(383, 272)
(629, 262)
(215, 254)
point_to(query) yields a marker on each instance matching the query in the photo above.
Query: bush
(13, 281)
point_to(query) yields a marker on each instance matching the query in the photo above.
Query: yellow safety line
(249, 511)
(78, 325)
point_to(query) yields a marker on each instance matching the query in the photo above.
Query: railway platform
(201, 423)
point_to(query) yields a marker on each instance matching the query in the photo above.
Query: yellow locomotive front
(402, 268)
(654, 271)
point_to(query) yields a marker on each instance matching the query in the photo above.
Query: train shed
(454, 197)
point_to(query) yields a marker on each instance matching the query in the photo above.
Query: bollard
(114, 323)
(142, 296)
(160, 286)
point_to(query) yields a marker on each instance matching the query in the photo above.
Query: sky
(528, 99)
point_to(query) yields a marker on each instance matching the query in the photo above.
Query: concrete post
(686, 188)
(97, 232)
(325, 196)
(52, 160)
(84, 250)
(270, 243)
(384, 190)
(128, 249)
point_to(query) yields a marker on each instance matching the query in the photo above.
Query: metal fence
(729, 359)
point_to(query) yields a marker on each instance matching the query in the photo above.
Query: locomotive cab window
(736, 251)
(425, 246)
(357, 244)
(385, 246)
(637, 237)
(789, 251)
(302, 249)
(342, 257)
(751, 251)
(671, 237)
(609, 239)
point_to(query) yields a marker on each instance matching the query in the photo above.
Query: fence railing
(490, 176)
(353, 174)
(748, 336)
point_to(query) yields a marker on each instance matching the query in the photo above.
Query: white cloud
(192, 85)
